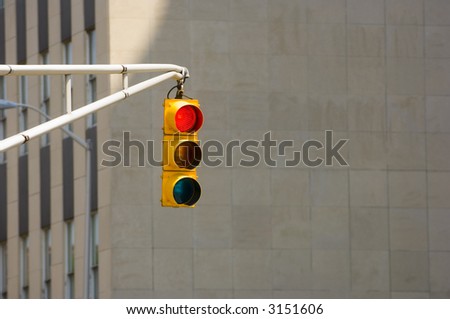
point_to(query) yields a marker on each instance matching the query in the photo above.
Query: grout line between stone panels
(426, 148)
(386, 119)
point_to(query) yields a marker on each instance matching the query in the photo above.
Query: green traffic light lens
(187, 191)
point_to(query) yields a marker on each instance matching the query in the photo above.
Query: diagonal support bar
(81, 112)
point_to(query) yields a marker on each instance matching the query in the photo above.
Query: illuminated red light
(188, 119)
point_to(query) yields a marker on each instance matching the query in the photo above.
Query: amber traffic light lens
(188, 155)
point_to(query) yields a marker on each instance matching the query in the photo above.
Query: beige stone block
(248, 10)
(172, 269)
(288, 74)
(366, 76)
(252, 269)
(330, 228)
(366, 113)
(327, 75)
(331, 270)
(215, 10)
(438, 114)
(249, 111)
(127, 192)
(407, 189)
(291, 269)
(287, 112)
(436, 41)
(405, 76)
(316, 153)
(439, 274)
(251, 187)
(213, 294)
(291, 227)
(287, 10)
(370, 270)
(326, 11)
(172, 228)
(210, 36)
(437, 12)
(249, 72)
(212, 226)
(410, 295)
(438, 151)
(438, 77)
(203, 63)
(327, 112)
(404, 12)
(367, 150)
(130, 229)
(173, 294)
(329, 188)
(132, 268)
(406, 151)
(365, 11)
(216, 186)
(439, 229)
(212, 269)
(253, 294)
(292, 294)
(327, 40)
(369, 228)
(406, 113)
(287, 37)
(368, 188)
(289, 186)
(365, 40)
(243, 36)
(405, 41)
(438, 186)
(252, 227)
(409, 271)
(408, 229)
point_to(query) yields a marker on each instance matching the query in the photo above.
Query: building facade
(375, 72)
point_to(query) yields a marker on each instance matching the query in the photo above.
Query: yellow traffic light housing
(181, 153)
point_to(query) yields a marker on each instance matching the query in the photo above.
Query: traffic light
(181, 153)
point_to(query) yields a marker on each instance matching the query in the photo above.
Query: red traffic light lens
(188, 119)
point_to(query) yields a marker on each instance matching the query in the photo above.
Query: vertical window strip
(24, 268)
(45, 99)
(23, 114)
(46, 263)
(94, 255)
(3, 271)
(70, 260)
(91, 79)
(2, 117)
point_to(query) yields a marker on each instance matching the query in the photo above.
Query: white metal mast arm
(171, 72)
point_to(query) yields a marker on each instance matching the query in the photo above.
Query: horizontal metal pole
(81, 112)
(61, 69)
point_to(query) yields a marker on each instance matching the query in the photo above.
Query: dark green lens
(186, 191)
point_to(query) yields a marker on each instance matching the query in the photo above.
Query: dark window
(23, 195)
(89, 14)
(3, 203)
(91, 136)
(2, 35)
(66, 20)
(43, 25)
(68, 191)
(21, 27)
(45, 186)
